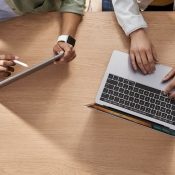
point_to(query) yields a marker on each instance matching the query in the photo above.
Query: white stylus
(21, 63)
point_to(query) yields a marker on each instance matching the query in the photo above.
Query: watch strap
(67, 39)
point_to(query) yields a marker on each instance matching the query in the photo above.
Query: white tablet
(29, 71)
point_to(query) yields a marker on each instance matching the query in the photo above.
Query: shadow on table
(116, 146)
(35, 92)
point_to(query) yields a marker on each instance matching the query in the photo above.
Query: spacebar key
(147, 88)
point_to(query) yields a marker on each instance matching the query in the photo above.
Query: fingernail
(163, 92)
(163, 79)
(16, 57)
(55, 62)
(61, 52)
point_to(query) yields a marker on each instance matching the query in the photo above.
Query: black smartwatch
(67, 39)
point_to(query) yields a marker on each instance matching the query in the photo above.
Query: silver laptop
(30, 70)
(134, 93)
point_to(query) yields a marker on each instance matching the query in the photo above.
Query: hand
(6, 65)
(142, 52)
(69, 52)
(171, 86)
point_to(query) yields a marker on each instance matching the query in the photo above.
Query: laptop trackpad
(120, 65)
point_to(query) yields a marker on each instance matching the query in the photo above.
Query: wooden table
(45, 126)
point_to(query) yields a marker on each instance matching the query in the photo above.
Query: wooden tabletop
(45, 126)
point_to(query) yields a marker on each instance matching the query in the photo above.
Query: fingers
(6, 63)
(170, 75)
(146, 63)
(6, 69)
(8, 57)
(151, 61)
(155, 54)
(170, 89)
(144, 60)
(5, 74)
(69, 52)
(140, 63)
(133, 60)
(57, 49)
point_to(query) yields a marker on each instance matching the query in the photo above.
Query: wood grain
(45, 126)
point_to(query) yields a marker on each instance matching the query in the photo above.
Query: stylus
(21, 63)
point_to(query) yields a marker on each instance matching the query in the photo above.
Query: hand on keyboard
(171, 86)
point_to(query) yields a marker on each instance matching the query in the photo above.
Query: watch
(67, 39)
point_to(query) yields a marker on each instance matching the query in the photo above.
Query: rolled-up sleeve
(128, 15)
(73, 6)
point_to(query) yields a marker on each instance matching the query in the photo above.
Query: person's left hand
(69, 52)
(170, 88)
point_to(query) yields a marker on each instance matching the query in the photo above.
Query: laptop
(136, 94)
(30, 70)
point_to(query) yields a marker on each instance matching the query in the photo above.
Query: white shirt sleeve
(128, 15)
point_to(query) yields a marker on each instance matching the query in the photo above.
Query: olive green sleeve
(73, 6)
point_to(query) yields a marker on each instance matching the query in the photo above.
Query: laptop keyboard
(139, 98)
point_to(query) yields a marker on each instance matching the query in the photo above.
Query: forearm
(129, 19)
(70, 23)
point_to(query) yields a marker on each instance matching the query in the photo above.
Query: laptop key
(127, 103)
(136, 89)
(136, 100)
(131, 99)
(120, 95)
(125, 86)
(152, 106)
(111, 97)
(142, 97)
(146, 93)
(121, 101)
(121, 90)
(162, 109)
(105, 90)
(142, 108)
(132, 104)
(116, 99)
(147, 98)
(110, 76)
(116, 88)
(141, 102)
(109, 86)
(136, 95)
(130, 88)
(126, 92)
(106, 96)
(126, 97)
(120, 84)
(141, 91)
(137, 106)
(152, 100)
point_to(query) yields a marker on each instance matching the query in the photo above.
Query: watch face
(71, 41)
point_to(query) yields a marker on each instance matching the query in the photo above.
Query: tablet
(31, 70)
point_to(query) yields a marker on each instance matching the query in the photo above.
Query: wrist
(137, 32)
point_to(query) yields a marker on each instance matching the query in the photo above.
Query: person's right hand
(6, 65)
(142, 52)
